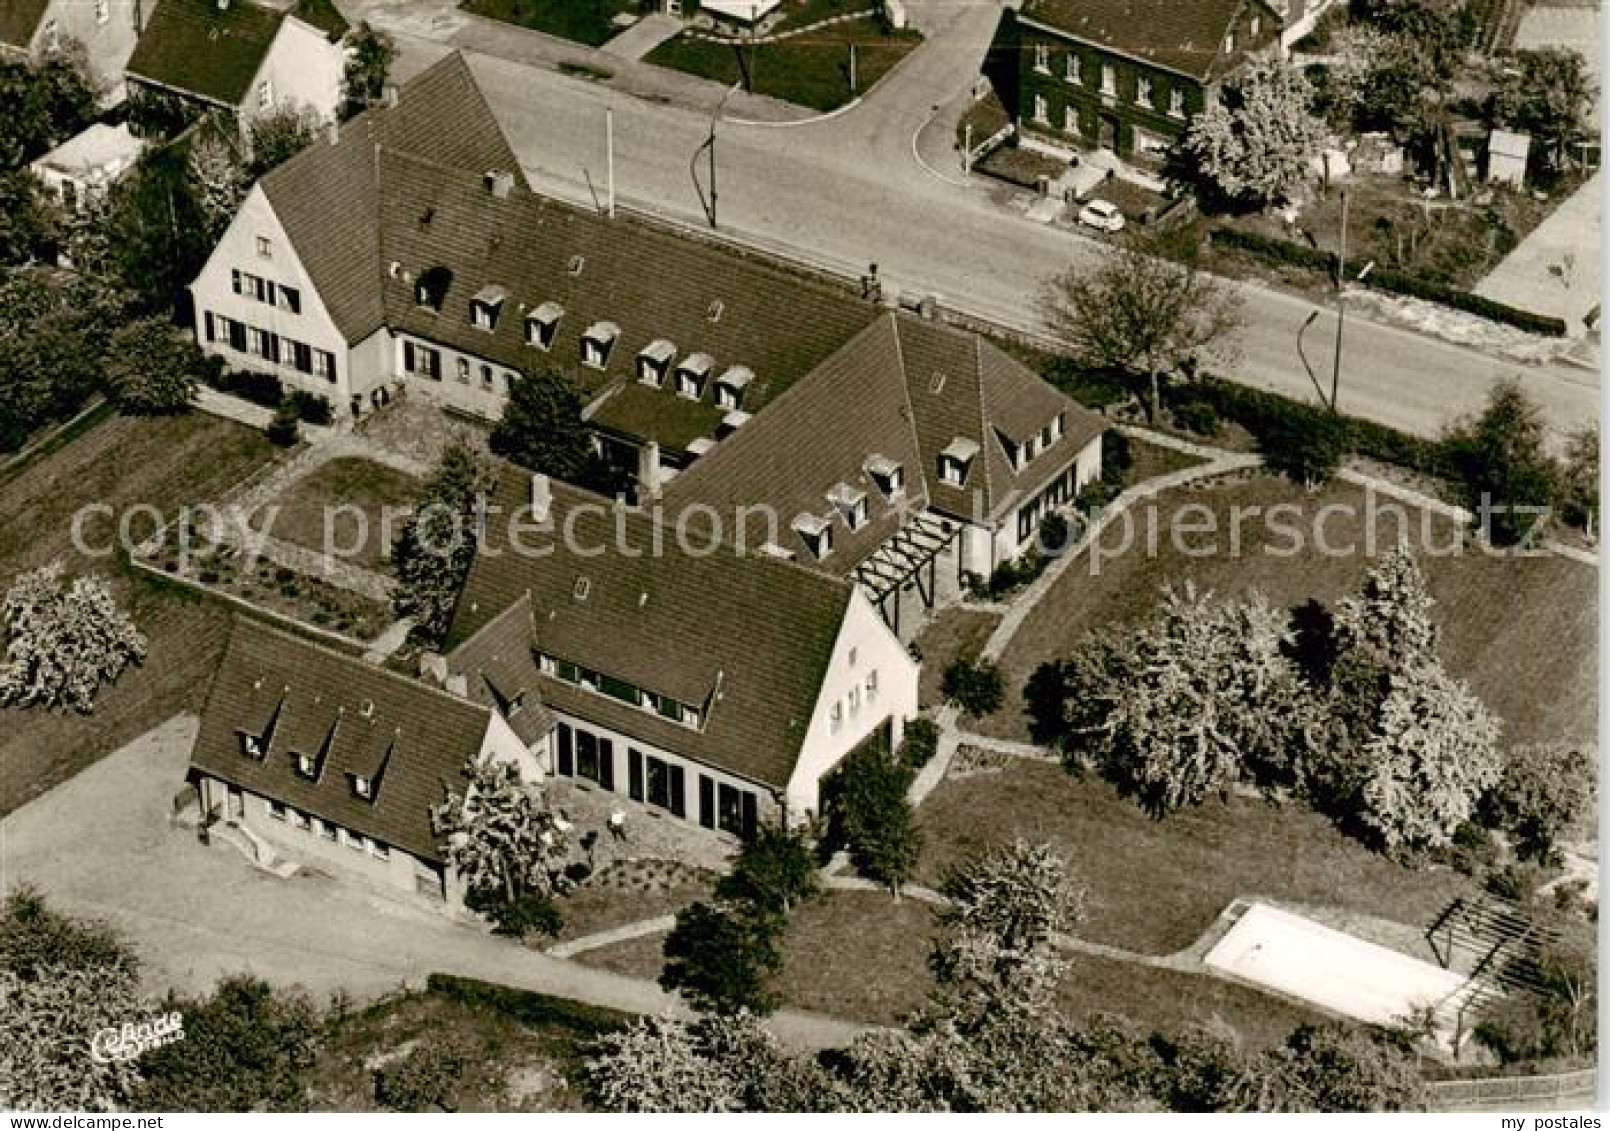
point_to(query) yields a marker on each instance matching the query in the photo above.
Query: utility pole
(852, 68)
(967, 149)
(1341, 310)
(609, 157)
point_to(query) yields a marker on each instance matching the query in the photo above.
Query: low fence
(1520, 1091)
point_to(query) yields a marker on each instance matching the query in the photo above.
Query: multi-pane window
(1143, 91)
(103, 11)
(1075, 67)
(463, 370)
(1070, 119)
(265, 95)
(265, 247)
(486, 377)
(658, 782)
(1042, 57)
(1176, 103)
(1042, 110)
(1109, 80)
(423, 361)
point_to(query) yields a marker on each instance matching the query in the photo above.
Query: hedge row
(529, 1007)
(1386, 279)
(1267, 415)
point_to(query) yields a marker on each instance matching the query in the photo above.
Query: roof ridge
(386, 675)
(911, 408)
(983, 409)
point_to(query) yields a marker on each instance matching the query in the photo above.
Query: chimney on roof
(332, 130)
(393, 94)
(458, 685)
(929, 307)
(650, 479)
(541, 497)
(498, 183)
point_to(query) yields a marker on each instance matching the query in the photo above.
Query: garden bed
(810, 70)
(1021, 166)
(334, 492)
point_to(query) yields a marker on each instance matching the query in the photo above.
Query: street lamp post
(710, 147)
(1313, 316)
(1341, 310)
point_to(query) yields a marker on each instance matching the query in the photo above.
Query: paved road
(847, 190)
(100, 845)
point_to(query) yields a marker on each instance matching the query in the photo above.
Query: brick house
(1122, 75)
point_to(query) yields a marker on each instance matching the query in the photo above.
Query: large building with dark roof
(330, 758)
(1123, 75)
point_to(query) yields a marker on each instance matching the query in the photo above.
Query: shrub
(1197, 416)
(429, 1077)
(919, 743)
(310, 407)
(1306, 445)
(976, 686)
(1094, 388)
(530, 1008)
(259, 388)
(531, 913)
(871, 816)
(1116, 458)
(1053, 534)
(282, 429)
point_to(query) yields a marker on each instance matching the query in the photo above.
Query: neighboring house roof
(409, 739)
(747, 639)
(905, 389)
(19, 20)
(198, 48)
(1506, 143)
(101, 150)
(322, 14)
(1182, 35)
(327, 196)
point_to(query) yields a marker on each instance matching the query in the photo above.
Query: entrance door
(1109, 132)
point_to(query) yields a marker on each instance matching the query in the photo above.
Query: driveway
(1556, 269)
(101, 845)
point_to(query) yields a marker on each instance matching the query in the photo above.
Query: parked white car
(1102, 214)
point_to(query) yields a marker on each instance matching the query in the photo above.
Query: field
(1156, 886)
(349, 483)
(581, 21)
(811, 70)
(120, 462)
(1522, 631)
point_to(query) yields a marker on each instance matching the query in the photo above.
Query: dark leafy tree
(52, 339)
(47, 101)
(542, 429)
(1507, 475)
(434, 1075)
(31, 222)
(1558, 1022)
(1545, 92)
(152, 369)
(1332, 1068)
(1579, 481)
(1307, 447)
(247, 1047)
(370, 54)
(1545, 793)
(278, 136)
(156, 232)
(872, 816)
(435, 547)
(721, 957)
(974, 685)
(775, 871)
(1147, 310)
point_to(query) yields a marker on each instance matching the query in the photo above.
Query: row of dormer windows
(618, 689)
(309, 767)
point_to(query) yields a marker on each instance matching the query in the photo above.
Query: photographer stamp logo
(130, 1041)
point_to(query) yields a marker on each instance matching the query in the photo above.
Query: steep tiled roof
(19, 19)
(327, 196)
(197, 47)
(654, 284)
(412, 741)
(817, 435)
(746, 638)
(1182, 35)
(323, 15)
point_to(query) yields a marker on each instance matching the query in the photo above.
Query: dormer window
(1229, 41)
(692, 717)
(850, 503)
(486, 306)
(307, 765)
(887, 474)
(363, 786)
(730, 387)
(430, 290)
(251, 745)
(597, 343)
(692, 374)
(956, 460)
(816, 532)
(542, 325)
(653, 362)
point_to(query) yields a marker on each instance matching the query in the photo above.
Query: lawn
(593, 908)
(517, 1067)
(121, 462)
(1522, 631)
(1156, 886)
(581, 21)
(335, 491)
(811, 70)
(956, 631)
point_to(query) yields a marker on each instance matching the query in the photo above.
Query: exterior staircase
(257, 851)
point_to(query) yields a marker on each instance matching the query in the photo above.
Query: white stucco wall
(108, 43)
(468, 392)
(213, 292)
(501, 744)
(303, 68)
(865, 645)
